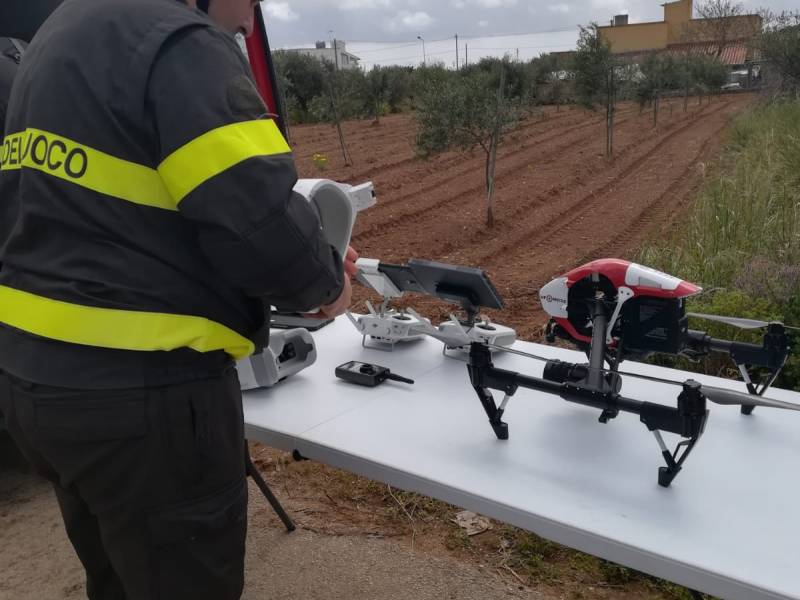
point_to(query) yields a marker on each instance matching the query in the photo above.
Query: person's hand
(338, 306)
(342, 303)
(350, 262)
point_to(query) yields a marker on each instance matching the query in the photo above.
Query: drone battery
(655, 325)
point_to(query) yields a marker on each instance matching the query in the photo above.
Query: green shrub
(742, 236)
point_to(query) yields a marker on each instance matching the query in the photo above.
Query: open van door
(258, 51)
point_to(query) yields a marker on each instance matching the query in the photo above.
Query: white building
(334, 53)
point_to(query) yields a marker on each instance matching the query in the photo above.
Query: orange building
(727, 37)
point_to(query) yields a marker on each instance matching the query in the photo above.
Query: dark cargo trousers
(150, 482)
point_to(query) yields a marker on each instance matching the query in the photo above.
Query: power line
(519, 47)
(452, 52)
(468, 37)
(411, 57)
(398, 47)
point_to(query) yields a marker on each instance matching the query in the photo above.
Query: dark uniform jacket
(147, 212)
(10, 57)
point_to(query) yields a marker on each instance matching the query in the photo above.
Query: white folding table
(728, 525)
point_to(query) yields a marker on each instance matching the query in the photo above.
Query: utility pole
(424, 59)
(336, 53)
(466, 55)
(517, 54)
(456, 52)
(335, 49)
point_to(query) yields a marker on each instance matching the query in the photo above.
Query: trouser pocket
(197, 546)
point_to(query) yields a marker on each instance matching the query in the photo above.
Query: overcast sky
(397, 23)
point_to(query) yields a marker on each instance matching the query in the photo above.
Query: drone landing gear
(756, 389)
(674, 463)
(688, 419)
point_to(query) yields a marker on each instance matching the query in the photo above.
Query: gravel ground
(38, 563)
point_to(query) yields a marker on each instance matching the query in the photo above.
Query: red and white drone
(618, 278)
(615, 310)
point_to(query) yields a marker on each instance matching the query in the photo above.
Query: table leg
(253, 473)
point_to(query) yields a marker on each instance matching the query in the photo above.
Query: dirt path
(559, 201)
(38, 563)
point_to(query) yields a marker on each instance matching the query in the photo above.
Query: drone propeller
(723, 396)
(734, 398)
(737, 321)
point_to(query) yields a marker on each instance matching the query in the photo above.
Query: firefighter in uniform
(10, 56)
(147, 218)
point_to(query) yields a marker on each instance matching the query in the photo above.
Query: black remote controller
(367, 374)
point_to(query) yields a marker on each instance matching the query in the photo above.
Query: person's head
(235, 16)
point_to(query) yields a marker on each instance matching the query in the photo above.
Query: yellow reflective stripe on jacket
(217, 151)
(79, 164)
(114, 328)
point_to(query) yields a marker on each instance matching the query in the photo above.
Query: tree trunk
(285, 115)
(491, 159)
(491, 162)
(655, 110)
(335, 110)
(611, 98)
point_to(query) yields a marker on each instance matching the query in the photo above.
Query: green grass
(748, 214)
(741, 241)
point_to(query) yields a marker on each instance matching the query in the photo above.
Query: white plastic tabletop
(727, 526)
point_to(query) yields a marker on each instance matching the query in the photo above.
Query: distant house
(728, 39)
(335, 53)
(677, 27)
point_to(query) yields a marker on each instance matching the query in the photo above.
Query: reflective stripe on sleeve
(81, 165)
(217, 151)
(117, 329)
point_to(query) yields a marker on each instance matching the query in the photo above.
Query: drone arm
(771, 354)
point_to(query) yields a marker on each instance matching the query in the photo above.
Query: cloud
(495, 3)
(364, 4)
(412, 21)
(482, 3)
(280, 11)
(558, 8)
(483, 23)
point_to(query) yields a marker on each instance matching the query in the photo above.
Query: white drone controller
(388, 326)
(484, 332)
(292, 350)
(458, 336)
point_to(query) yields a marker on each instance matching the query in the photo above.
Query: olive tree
(466, 110)
(597, 77)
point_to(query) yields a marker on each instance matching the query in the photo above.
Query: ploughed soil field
(558, 201)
